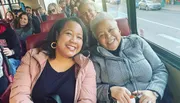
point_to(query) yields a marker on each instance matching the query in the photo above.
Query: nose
(73, 39)
(108, 35)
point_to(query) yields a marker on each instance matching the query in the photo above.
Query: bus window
(158, 22)
(117, 8)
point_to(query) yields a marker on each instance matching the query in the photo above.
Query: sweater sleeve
(102, 89)
(160, 74)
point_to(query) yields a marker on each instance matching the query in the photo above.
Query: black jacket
(12, 42)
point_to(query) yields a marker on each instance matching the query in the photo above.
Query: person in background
(43, 13)
(35, 20)
(125, 65)
(11, 45)
(87, 12)
(65, 8)
(53, 8)
(24, 29)
(57, 68)
(10, 18)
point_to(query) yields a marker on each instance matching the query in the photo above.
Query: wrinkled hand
(7, 51)
(147, 96)
(121, 94)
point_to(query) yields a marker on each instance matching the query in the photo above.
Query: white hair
(99, 17)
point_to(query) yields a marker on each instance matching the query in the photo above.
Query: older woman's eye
(111, 29)
(100, 35)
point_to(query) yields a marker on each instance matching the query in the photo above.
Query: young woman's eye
(68, 33)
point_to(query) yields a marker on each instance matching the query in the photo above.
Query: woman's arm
(160, 75)
(88, 89)
(21, 87)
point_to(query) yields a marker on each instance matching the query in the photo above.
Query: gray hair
(99, 17)
(90, 2)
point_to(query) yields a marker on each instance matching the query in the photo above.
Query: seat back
(33, 40)
(123, 26)
(46, 26)
(56, 16)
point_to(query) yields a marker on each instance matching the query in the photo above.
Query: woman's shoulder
(36, 54)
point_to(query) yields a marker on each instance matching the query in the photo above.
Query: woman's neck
(61, 64)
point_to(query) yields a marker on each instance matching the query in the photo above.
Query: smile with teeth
(110, 41)
(72, 48)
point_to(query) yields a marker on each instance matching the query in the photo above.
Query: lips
(71, 47)
(110, 41)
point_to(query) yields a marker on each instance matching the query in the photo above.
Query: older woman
(125, 65)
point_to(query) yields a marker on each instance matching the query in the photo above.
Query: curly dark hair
(55, 32)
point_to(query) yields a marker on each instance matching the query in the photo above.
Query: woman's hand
(8, 52)
(121, 94)
(147, 96)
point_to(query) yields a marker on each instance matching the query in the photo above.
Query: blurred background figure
(11, 45)
(65, 8)
(42, 13)
(24, 29)
(35, 20)
(9, 17)
(54, 9)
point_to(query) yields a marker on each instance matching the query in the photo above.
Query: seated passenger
(35, 20)
(87, 12)
(24, 27)
(54, 9)
(9, 17)
(65, 8)
(125, 66)
(11, 44)
(57, 68)
(43, 13)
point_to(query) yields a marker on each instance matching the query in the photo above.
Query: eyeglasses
(53, 10)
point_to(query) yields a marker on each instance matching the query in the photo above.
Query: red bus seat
(56, 16)
(123, 26)
(46, 26)
(33, 40)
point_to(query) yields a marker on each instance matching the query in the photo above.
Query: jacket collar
(41, 57)
(99, 50)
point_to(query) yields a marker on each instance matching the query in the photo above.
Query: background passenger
(54, 9)
(24, 29)
(10, 42)
(43, 13)
(9, 17)
(125, 65)
(35, 20)
(65, 8)
(57, 68)
(87, 12)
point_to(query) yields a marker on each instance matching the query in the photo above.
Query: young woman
(9, 17)
(24, 27)
(125, 64)
(57, 68)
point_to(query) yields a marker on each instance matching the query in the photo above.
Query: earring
(53, 45)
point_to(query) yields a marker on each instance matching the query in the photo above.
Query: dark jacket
(36, 24)
(12, 42)
(137, 68)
